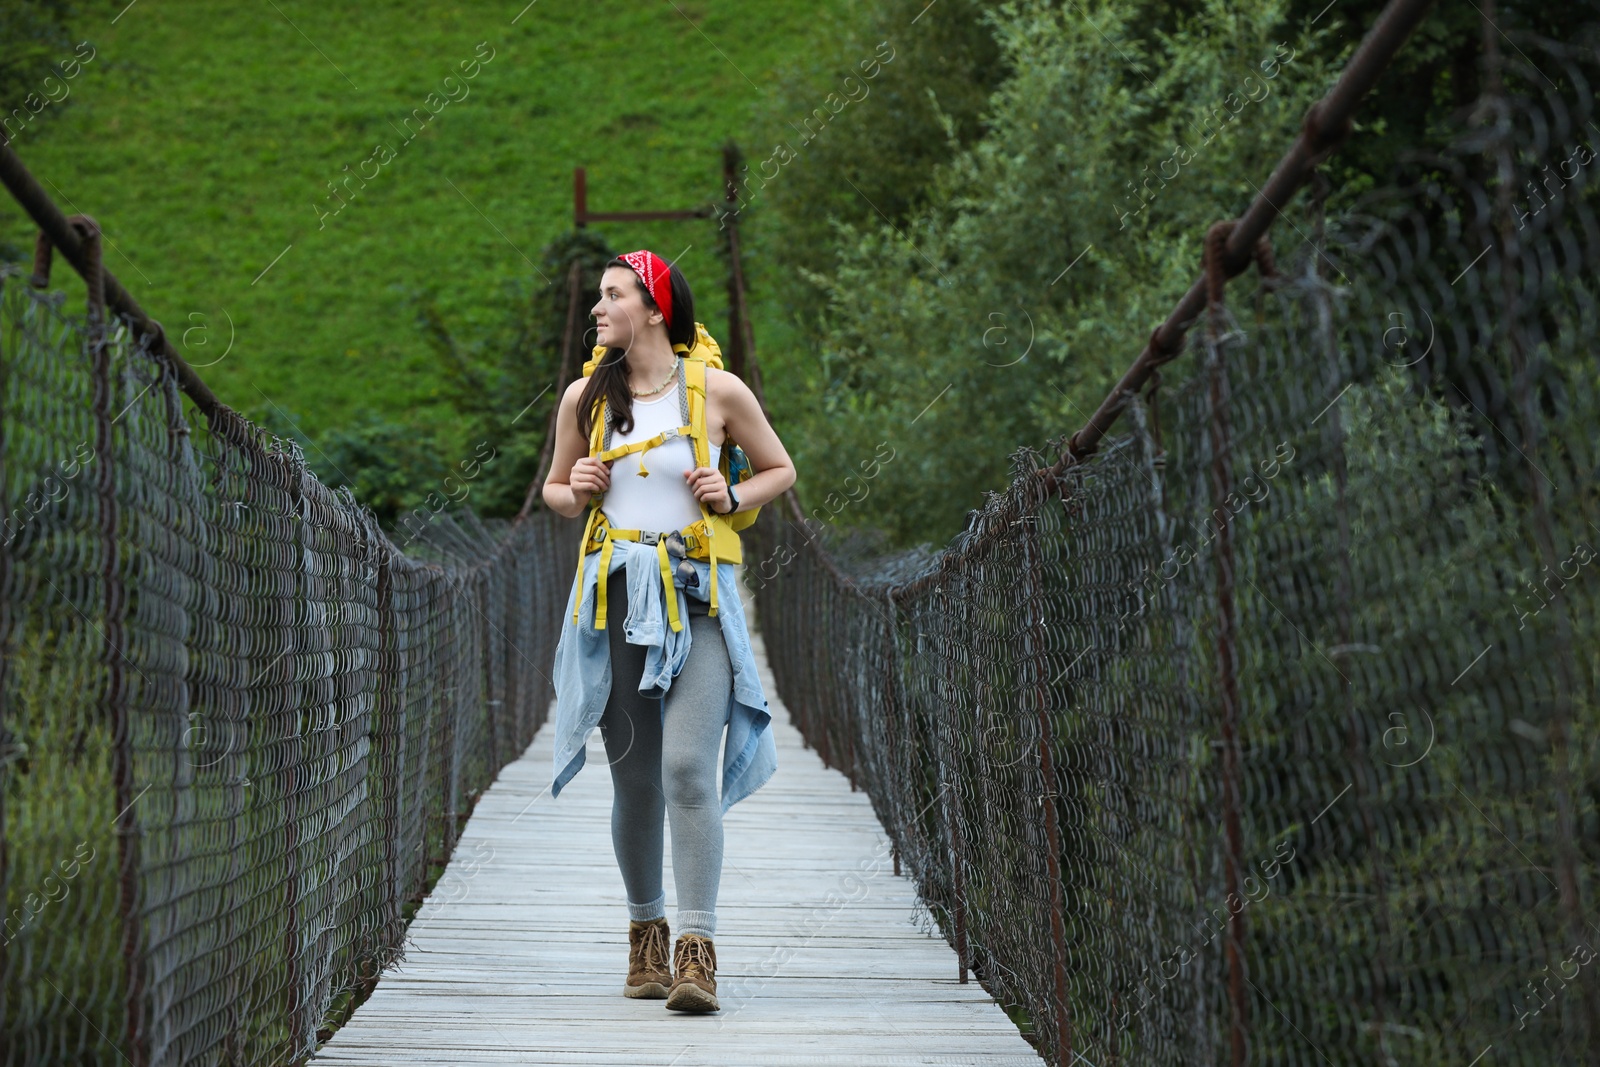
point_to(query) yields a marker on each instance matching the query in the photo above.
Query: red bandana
(652, 270)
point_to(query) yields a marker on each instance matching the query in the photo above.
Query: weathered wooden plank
(824, 955)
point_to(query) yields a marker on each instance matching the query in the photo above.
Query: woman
(660, 694)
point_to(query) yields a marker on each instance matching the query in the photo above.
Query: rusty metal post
(512, 670)
(524, 592)
(569, 334)
(67, 237)
(817, 722)
(495, 698)
(817, 683)
(1037, 670)
(564, 375)
(114, 698)
(730, 232)
(582, 216)
(1227, 635)
(749, 369)
(295, 1008)
(847, 721)
(301, 960)
(951, 807)
(450, 711)
(741, 332)
(891, 706)
(390, 731)
(5, 665)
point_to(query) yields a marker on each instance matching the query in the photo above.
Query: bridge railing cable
(1262, 729)
(239, 727)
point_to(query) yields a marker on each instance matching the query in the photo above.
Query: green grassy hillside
(204, 137)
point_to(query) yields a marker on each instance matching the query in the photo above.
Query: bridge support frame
(951, 803)
(114, 697)
(1227, 627)
(1038, 668)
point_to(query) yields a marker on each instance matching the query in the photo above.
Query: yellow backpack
(711, 538)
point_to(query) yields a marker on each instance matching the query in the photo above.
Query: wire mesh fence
(1268, 733)
(238, 728)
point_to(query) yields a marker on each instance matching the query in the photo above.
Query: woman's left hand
(710, 488)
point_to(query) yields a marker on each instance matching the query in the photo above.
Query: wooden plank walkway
(519, 954)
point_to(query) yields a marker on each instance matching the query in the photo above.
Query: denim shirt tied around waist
(583, 664)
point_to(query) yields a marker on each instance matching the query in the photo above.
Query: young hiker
(654, 648)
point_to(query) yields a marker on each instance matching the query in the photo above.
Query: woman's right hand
(589, 477)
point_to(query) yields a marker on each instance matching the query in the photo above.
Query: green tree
(1003, 308)
(502, 383)
(1032, 228)
(909, 85)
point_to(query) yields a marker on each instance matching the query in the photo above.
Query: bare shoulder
(569, 399)
(726, 386)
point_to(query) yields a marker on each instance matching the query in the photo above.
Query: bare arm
(574, 477)
(748, 426)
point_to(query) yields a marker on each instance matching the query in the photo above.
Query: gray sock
(703, 923)
(656, 909)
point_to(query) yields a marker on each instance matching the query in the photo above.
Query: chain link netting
(240, 729)
(1268, 733)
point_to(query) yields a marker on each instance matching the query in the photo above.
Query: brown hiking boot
(694, 964)
(649, 972)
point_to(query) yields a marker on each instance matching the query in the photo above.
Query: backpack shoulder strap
(597, 426)
(696, 357)
(694, 378)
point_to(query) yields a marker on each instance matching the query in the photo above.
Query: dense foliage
(35, 42)
(1023, 261)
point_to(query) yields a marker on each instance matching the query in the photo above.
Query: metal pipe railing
(1327, 124)
(63, 235)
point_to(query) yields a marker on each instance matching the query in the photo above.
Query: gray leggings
(659, 767)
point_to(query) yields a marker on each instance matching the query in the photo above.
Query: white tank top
(660, 500)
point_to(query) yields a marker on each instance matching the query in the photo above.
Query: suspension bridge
(824, 954)
(1253, 721)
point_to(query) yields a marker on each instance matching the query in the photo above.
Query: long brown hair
(610, 377)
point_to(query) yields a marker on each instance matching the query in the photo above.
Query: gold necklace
(670, 375)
